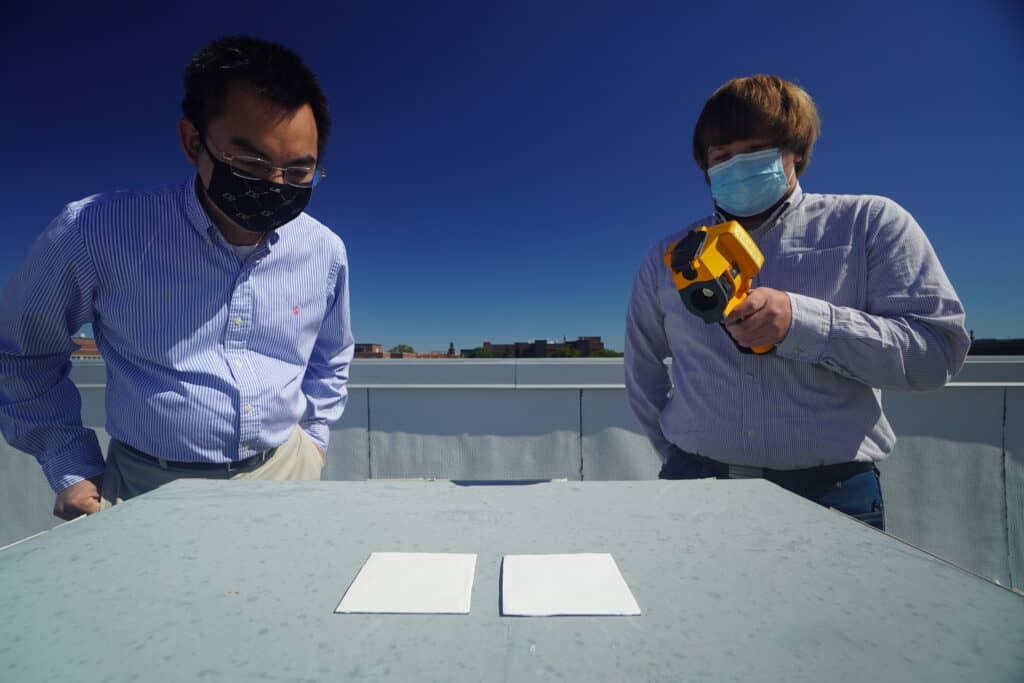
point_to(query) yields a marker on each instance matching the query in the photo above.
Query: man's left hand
(323, 456)
(763, 319)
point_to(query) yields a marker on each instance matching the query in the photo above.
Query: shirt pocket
(829, 274)
(287, 321)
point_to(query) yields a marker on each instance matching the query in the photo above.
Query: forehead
(248, 115)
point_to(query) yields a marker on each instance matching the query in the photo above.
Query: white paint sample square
(583, 584)
(412, 583)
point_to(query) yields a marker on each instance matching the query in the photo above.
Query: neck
(751, 223)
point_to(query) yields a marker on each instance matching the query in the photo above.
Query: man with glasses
(220, 308)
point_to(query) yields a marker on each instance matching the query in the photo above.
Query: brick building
(86, 348)
(369, 351)
(541, 348)
(377, 351)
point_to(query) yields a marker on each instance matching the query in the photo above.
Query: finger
(65, 513)
(756, 322)
(759, 317)
(739, 313)
(750, 331)
(748, 307)
(762, 322)
(744, 329)
(78, 507)
(766, 334)
(740, 334)
(76, 503)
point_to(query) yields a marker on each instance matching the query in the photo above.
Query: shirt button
(238, 363)
(238, 322)
(797, 350)
(751, 433)
(248, 408)
(749, 375)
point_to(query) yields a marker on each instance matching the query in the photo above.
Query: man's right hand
(81, 498)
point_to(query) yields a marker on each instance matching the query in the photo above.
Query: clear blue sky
(498, 169)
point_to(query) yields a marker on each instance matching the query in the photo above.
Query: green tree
(608, 353)
(402, 348)
(566, 352)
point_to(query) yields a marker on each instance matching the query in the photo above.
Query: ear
(190, 144)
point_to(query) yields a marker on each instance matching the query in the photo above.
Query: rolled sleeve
(46, 301)
(326, 379)
(319, 432)
(82, 462)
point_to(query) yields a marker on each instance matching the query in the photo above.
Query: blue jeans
(858, 495)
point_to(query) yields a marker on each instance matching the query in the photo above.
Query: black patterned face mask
(256, 205)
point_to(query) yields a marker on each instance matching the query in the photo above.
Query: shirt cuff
(809, 329)
(64, 469)
(318, 432)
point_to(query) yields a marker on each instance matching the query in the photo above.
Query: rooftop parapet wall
(954, 485)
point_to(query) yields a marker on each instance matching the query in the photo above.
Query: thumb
(90, 505)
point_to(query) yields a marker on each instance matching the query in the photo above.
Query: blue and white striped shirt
(872, 310)
(210, 358)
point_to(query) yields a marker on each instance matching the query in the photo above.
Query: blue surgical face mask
(748, 184)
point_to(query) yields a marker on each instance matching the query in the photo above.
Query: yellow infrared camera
(713, 268)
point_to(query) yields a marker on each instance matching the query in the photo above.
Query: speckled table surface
(737, 580)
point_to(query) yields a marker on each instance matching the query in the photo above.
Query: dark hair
(758, 106)
(266, 69)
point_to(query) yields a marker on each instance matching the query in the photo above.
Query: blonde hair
(758, 106)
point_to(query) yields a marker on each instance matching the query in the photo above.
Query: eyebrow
(248, 146)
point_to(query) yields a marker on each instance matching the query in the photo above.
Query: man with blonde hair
(851, 295)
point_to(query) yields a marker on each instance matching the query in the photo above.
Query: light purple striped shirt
(210, 358)
(872, 310)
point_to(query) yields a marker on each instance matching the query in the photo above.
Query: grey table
(737, 580)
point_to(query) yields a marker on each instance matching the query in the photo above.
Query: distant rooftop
(997, 347)
(543, 348)
(581, 347)
(86, 348)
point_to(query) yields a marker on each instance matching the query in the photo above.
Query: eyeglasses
(258, 168)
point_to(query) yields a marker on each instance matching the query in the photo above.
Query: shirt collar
(197, 215)
(793, 200)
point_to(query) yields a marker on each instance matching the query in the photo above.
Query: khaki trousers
(127, 475)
